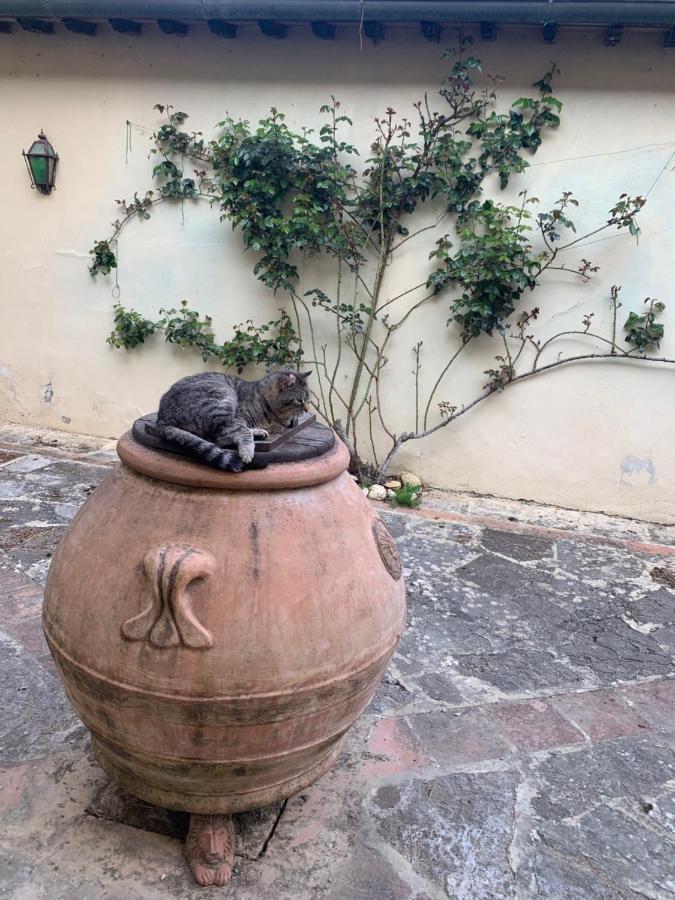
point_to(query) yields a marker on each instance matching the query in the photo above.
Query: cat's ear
(285, 380)
(303, 376)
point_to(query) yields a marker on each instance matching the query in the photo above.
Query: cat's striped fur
(206, 414)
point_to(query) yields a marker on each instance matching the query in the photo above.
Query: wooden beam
(36, 26)
(222, 29)
(323, 30)
(549, 32)
(171, 26)
(79, 26)
(488, 31)
(431, 31)
(374, 31)
(613, 35)
(125, 26)
(272, 28)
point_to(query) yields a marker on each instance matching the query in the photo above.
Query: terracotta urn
(219, 633)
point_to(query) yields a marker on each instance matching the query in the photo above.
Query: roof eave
(524, 12)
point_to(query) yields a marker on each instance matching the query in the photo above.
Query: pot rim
(164, 466)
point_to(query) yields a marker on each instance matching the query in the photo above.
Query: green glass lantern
(41, 162)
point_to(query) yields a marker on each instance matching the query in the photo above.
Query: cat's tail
(206, 451)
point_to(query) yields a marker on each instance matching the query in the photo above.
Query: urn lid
(313, 457)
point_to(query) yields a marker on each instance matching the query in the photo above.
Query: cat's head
(287, 394)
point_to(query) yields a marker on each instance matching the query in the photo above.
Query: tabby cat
(205, 413)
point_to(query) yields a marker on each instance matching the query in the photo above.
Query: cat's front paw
(260, 433)
(246, 452)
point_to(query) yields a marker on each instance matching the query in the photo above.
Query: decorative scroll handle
(169, 620)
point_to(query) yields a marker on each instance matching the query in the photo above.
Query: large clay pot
(219, 633)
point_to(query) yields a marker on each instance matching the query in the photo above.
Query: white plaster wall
(561, 438)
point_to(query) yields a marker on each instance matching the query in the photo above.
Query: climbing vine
(268, 345)
(291, 194)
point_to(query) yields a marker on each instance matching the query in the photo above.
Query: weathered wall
(575, 437)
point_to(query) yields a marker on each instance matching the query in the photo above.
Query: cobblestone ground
(520, 745)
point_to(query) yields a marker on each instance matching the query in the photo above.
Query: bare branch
(440, 378)
(402, 294)
(489, 392)
(409, 237)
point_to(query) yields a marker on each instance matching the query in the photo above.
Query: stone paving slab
(520, 746)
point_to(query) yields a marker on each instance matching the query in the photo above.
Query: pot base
(210, 803)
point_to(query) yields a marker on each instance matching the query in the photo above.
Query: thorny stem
(615, 306)
(379, 276)
(314, 353)
(344, 437)
(416, 373)
(551, 249)
(402, 294)
(524, 341)
(324, 363)
(595, 231)
(379, 411)
(397, 441)
(412, 310)
(119, 225)
(597, 337)
(367, 232)
(409, 237)
(338, 355)
(440, 378)
(569, 271)
(132, 215)
(297, 319)
(373, 373)
(364, 284)
(507, 349)
(370, 430)
(554, 251)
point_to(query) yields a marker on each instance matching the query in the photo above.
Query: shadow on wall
(637, 471)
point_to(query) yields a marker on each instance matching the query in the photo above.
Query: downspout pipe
(515, 12)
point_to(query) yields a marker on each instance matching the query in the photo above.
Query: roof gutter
(516, 12)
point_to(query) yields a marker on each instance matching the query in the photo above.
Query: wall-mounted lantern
(41, 162)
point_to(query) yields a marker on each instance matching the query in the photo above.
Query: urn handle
(169, 620)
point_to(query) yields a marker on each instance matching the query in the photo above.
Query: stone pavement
(520, 746)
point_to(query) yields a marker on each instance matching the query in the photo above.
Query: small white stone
(409, 478)
(364, 490)
(390, 493)
(393, 485)
(377, 492)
